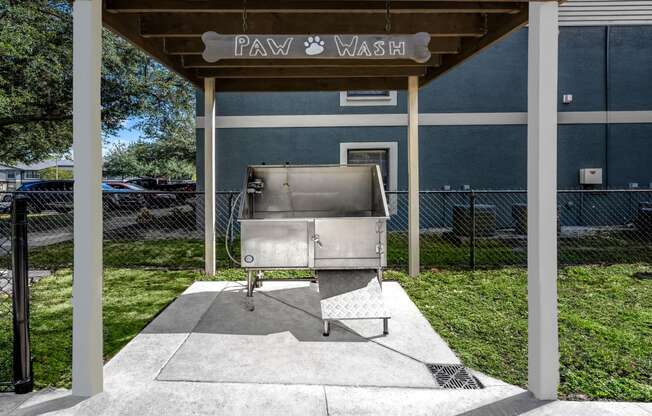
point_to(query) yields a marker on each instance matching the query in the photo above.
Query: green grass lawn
(605, 318)
(436, 251)
(605, 325)
(131, 299)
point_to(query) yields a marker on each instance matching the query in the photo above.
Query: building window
(31, 174)
(378, 157)
(11, 175)
(384, 154)
(367, 98)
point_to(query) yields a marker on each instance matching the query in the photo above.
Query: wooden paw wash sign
(412, 47)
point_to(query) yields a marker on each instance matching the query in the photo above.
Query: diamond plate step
(351, 294)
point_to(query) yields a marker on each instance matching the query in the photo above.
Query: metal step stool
(351, 294)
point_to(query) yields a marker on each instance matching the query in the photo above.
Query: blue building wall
(605, 68)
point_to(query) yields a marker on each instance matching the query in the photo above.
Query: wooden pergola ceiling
(171, 30)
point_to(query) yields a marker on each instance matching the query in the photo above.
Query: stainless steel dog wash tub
(331, 219)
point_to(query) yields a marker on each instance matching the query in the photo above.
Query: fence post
(229, 236)
(22, 366)
(472, 231)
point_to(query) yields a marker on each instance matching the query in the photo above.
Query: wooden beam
(413, 177)
(127, 27)
(498, 27)
(209, 176)
(196, 61)
(194, 46)
(311, 72)
(195, 24)
(299, 6)
(310, 84)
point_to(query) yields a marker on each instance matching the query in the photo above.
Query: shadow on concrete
(58, 403)
(295, 310)
(510, 406)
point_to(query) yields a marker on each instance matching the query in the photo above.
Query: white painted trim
(471, 119)
(414, 262)
(346, 101)
(425, 119)
(392, 147)
(628, 117)
(543, 343)
(209, 180)
(87, 328)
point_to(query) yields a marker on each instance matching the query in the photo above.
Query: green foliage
(51, 173)
(36, 85)
(167, 158)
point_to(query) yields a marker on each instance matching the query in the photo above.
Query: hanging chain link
(388, 18)
(244, 16)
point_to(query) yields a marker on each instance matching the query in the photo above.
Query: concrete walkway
(207, 354)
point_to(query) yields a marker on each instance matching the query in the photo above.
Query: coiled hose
(229, 229)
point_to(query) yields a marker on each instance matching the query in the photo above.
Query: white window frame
(362, 101)
(392, 148)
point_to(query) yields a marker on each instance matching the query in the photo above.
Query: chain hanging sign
(412, 47)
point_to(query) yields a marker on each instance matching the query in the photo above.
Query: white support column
(413, 175)
(87, 358)
(543, 345)
(209, 176)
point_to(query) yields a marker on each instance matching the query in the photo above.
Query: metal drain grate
(453, 376)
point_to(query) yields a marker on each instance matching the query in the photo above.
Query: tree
(122, 162)
(147, 159)
(54, 173)
(36, 86)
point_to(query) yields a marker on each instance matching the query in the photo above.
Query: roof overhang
(170, 31)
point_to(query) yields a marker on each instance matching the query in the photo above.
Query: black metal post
(229, 235)
(472, 231)
(23, 382)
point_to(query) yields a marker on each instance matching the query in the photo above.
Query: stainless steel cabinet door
(346, 243)
(272, 244)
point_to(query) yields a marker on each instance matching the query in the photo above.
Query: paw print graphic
(314, 46)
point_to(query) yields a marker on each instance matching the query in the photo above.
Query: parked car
(184, 190)
(48, 195)
(5, 204)
(160, 185)
(152, 199)
(57, 196)
(122, 199)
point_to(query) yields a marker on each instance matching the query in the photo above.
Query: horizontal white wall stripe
(629, 117)
(426, 119)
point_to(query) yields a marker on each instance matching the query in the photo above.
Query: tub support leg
(250, 283)
(259, 279)
(327, 328)
(385, 326)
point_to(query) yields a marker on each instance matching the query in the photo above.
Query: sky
(128, 134)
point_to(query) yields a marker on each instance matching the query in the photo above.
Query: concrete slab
(281, 342)
(502, 400)
(208, 332)
(426, 402)
(11, 401)
(188, 399)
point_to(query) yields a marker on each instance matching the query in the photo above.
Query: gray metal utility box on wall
(329, 218)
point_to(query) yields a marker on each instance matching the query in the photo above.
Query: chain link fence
(469, 229)
(459, 229)
(6, 307)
